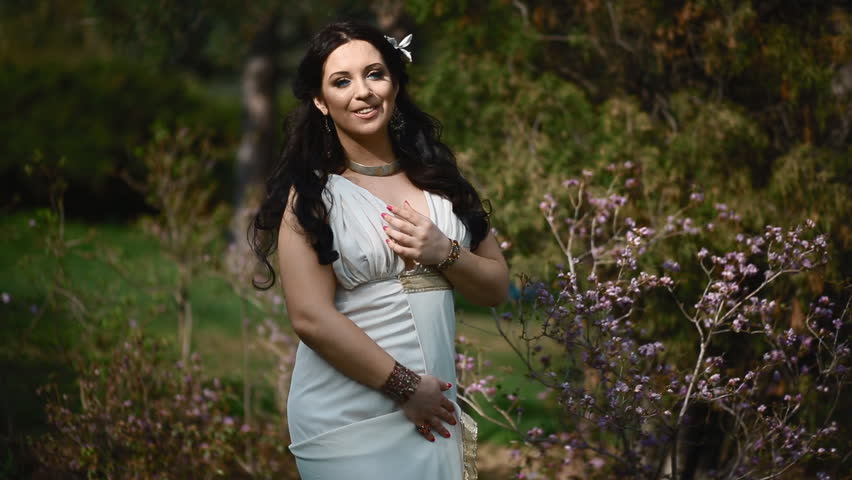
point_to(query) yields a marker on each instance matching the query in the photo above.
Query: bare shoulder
(304, 279)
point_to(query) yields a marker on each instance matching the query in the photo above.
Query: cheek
(335, 100)
(386, 91)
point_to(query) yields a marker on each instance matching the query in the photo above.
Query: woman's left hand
(413, 236)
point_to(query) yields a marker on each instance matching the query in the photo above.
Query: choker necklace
(380, 171)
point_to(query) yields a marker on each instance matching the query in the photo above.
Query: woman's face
(357, 91)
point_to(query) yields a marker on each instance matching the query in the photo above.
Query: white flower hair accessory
(401, 45)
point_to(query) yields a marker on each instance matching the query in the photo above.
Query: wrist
(452, 256)
(401, 383)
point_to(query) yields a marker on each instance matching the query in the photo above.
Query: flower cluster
(628, 402)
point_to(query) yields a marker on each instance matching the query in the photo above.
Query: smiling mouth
(367, 113)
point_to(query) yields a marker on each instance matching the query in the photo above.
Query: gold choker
(380, 171)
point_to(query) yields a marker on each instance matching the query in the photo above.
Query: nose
(362, 90)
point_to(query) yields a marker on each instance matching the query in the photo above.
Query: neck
(371, 151)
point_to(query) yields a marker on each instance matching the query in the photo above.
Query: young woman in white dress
(374, 227)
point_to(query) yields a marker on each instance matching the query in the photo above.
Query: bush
(632, 409)
(143, 415)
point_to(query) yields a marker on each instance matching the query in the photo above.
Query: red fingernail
(449, 385)
(390, 208)
(453, 422)
(384, 227)
(387, 240)
(384, 215)
(431, 439)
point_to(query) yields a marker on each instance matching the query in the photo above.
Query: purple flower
(6, 297)
(671, 265)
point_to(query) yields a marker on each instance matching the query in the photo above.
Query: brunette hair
(312, 153)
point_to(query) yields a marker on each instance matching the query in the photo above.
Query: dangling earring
(329, 138)
(397, 121)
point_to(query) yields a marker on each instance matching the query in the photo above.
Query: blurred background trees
(747, 103)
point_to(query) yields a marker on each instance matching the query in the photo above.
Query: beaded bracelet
(401, 383)
(455, 252)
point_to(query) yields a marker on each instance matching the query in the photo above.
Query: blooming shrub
(630, 408)
(143, 416)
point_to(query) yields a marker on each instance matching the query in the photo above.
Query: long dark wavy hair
(312, 153)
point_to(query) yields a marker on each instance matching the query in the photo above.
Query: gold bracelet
(455, 252)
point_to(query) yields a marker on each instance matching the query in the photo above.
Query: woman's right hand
(428, 406)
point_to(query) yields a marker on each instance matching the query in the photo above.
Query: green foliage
(706, 98)
(94, 115)
(189, 222)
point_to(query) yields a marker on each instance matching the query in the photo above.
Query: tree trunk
(390, 18)
(260, 121)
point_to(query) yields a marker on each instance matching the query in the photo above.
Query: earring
(397, 121)
(326, 124)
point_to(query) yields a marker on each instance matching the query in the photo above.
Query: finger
(399, 237)
(428, 433)
(416, 213)
(423, 432)
(448, 405)
(398, 223)
(407, 212)
(402, 251)
(438, 426)
(445, 385)
(447, 417)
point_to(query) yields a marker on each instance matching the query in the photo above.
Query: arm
(309, 294)
(481, 276)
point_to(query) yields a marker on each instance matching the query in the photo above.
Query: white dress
(341, 429)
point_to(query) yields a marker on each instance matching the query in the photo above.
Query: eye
(341, 82)
(376, 74)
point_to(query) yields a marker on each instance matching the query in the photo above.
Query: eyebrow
(372, 65)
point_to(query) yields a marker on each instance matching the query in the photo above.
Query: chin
(367, 131)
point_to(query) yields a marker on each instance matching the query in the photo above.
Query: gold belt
(423, 279)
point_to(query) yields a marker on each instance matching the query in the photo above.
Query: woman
(374, 226)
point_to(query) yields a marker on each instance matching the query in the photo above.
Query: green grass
(33, 346)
